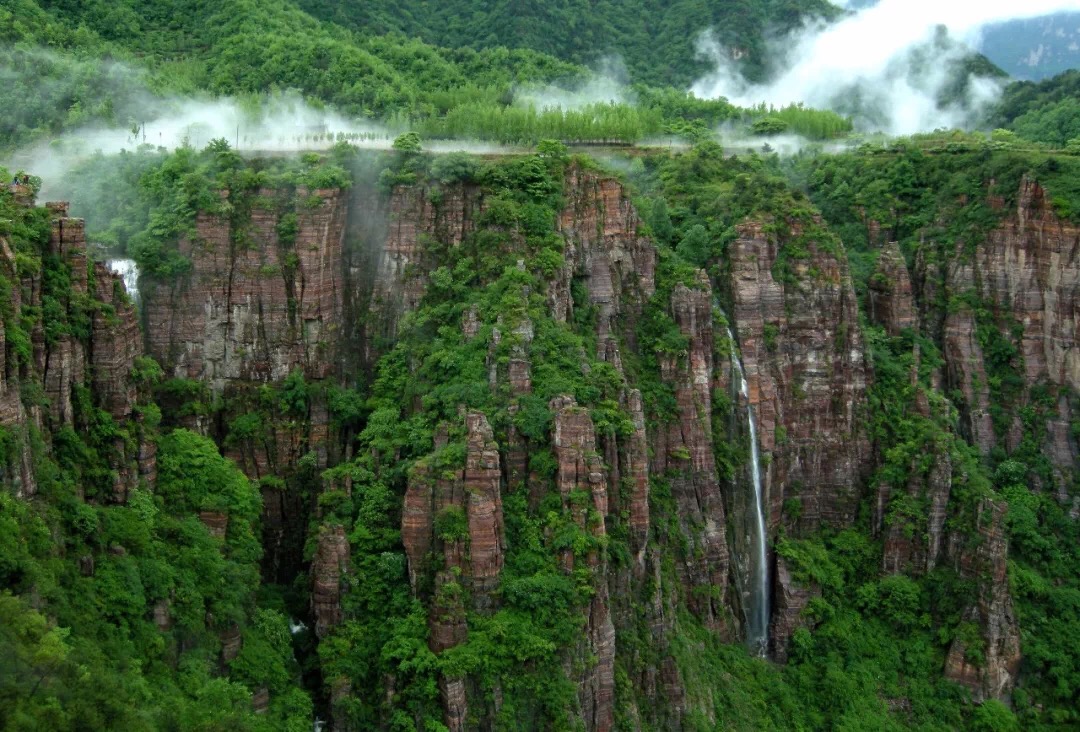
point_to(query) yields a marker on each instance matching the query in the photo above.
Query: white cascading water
(129, 271)
(757, 633)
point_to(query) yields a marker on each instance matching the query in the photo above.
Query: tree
(660, 222)
(694, 247)
(408, 142)
(768, 126)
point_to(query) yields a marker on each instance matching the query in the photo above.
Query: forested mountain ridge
(671, 437)
(656, 40)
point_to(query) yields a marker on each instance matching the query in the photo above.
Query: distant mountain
(1035, 49)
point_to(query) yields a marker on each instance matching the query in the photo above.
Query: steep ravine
(235, 324)
(547, 471)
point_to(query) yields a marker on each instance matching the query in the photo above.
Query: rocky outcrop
(582, 483)
(802, 350)
(454, 512)
(965, 370)
(395, 273)
(329, 569)
(263, 298)
(989, 672)
(1022, 279)
(790, 599)
(636, 470)
(914, 544)
(889, 301)
(259, 301)
(484, 510)
(683, 452)
(1027, 272)
(795, 319)
(1030, 266)
(87, 338)
(605, 247)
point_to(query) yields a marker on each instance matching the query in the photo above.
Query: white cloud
(869, 54)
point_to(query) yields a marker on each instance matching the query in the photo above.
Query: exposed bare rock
(805, 365)
(163, 615)
(417, 522)
(604, 245)
(231, 643)
(254, 312)
(581, 471)
(455, 704)
(916, 549)
(790, 599)
(1031, 266)
(115, 344)
(683, 451)
(217, 522)
(984, 560)
(400, 274)
(966, 371)
(1028, 270)
(889, 300)
(456, 514)
(260, 700)
(637, 472)
(328, 570)
(484, 509)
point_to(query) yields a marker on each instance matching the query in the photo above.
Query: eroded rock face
(1028, 270)
(984, 561)
(484, 509)
(890, 302)
(329, 569)
(1031, 266)
(582, 482)
(797, 327)
(806, 369)
(397, 273)
(456, 515)
(261, 301)
(256, 309)
(605, 247)
(914, 544)
(683, 450)
(790, 599)
(63, 361)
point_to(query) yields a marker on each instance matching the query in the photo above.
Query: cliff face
(259, 302)
(252, 313)
(82, 356)
(1004, 311)
(807, 373)
(1028, 270)
(263, 299)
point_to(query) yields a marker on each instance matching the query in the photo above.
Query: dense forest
(387, 437)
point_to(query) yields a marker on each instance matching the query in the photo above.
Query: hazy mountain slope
(1035, 49)
(655, 39)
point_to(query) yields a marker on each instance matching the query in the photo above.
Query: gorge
(488, 420)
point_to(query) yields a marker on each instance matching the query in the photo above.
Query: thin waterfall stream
(757, 614)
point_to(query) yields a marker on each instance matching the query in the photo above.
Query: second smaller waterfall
(129, 271)
(757, 634)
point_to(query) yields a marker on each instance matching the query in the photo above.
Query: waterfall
(129, 271)
(757, 613)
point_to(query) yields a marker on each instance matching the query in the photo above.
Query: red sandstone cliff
(64, 360)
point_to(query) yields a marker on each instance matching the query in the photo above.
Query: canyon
(660, 520)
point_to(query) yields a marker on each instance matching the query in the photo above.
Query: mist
(282, 123)
(607, 83)
(889, 65)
